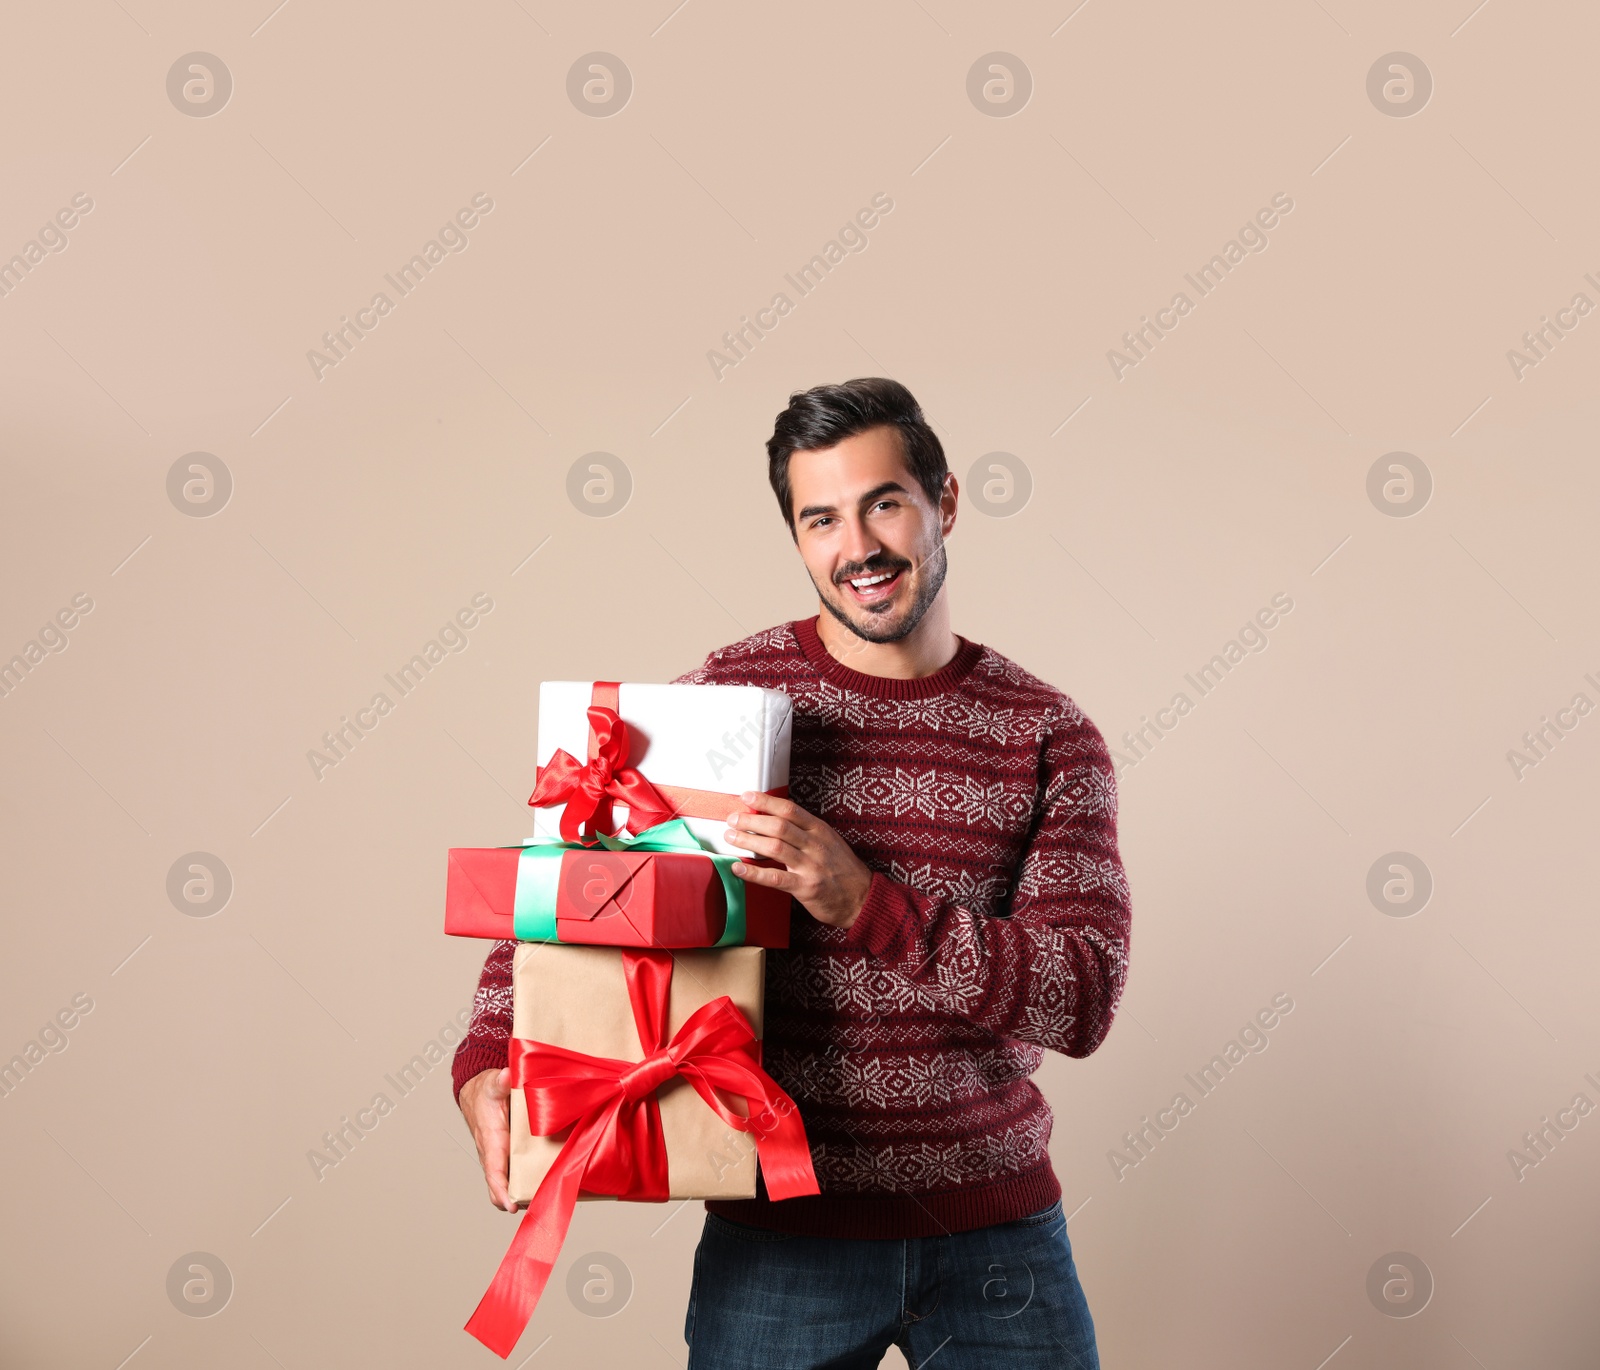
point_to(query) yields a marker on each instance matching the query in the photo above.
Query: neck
(929, 647)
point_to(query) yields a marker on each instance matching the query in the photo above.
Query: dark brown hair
(826, 415)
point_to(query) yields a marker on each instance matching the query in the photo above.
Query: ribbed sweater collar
(947, 677)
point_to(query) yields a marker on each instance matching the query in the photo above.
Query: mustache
(872, 566)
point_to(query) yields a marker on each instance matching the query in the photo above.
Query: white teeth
(865, 581)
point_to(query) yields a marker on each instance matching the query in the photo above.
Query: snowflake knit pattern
(997, 925)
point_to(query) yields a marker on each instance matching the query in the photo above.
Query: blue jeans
(1006, 1295)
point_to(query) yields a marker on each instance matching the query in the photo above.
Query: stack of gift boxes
(637, 980)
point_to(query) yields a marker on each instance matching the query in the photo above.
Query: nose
(858, 544)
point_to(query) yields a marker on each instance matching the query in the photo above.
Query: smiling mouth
(875, 587)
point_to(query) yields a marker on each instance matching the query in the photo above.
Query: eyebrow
(877, 491)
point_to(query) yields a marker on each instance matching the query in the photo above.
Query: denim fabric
(1001, 1295)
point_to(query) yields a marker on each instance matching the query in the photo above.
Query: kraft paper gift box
(689, 1120)
(576, 997)
(711, 741)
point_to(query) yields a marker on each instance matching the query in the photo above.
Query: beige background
(1167, 507)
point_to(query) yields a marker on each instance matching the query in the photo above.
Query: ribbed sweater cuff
(474, 1057)
(884, 923)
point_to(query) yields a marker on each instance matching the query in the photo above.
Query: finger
(499, 1180)
(497, 1171)
(499, 1085)
(498, 1194)
(789, 839)
(771, 803)
(765, 846)
(769, 824)
(766, 875)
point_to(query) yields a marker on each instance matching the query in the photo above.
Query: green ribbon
(539, 877)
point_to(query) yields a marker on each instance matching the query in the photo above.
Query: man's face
(871, 540)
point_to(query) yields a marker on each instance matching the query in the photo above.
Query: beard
(883, 625)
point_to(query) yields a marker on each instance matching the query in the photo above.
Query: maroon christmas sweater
(996, 926)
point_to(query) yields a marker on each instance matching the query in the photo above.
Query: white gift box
(721, 738)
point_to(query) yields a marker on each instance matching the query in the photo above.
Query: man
(960, 906)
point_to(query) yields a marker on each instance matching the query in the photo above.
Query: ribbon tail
(503, 1312)
(781, 1144)
(785, 1155)
(774, 1121)
(779, 1134)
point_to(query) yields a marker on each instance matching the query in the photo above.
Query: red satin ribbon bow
(589, 788)
(616, 1145)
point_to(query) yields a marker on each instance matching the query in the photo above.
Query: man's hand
(819, 869)
(486, 1105)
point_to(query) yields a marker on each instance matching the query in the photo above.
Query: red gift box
(610, 898)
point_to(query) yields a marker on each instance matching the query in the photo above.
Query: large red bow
(588, 788)
(616, 1145)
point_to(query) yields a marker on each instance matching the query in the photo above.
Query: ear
(947, 503)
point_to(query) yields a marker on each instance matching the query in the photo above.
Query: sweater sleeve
(1051, 970)
(484, 1046)
(703, 674)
